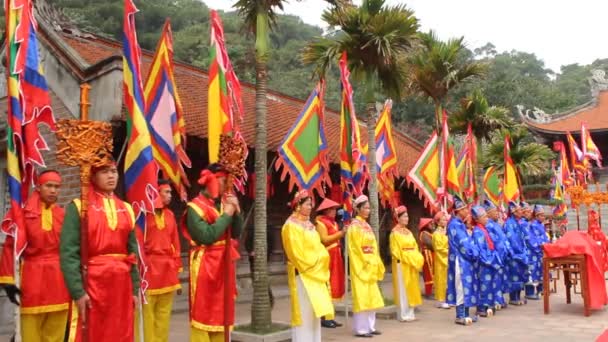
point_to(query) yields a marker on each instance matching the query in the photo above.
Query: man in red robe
(107, 293)
(163, 262)
(44, 309)
(210, 217)
(330, 234)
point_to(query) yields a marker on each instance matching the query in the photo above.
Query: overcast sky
(560, 32)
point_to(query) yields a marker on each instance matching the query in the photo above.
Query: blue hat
(478, 212)
(538, 209)
(513, 206)
(488, 205)
(524, 205)
(458, 203)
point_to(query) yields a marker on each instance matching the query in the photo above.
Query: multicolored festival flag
(590, 150)
(425, 174)
(492, 185)
(386, 156)
(511, 180)
(353, 168)
(564, 174)
(304, 160)
(165, 116)
(561, 208)
(577, 157)
(141, 172)
(224, 97)
(449, 173)
(29, 105)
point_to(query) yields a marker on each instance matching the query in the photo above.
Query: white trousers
(364, 322)
(458, 283)
(404, 312)
(310, 329)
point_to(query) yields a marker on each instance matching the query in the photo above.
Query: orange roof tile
(282, 109)
(594, 114)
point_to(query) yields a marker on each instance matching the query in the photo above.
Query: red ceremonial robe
(336, 263)
(162, 252)
(39, 260)
(207, 274)
(108, 282)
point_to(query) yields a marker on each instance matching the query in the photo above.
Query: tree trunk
(374, 219)
(260, 308)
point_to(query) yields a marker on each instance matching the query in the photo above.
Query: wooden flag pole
(85, 144)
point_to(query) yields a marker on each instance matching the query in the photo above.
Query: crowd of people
(93, 283)
(478, 260)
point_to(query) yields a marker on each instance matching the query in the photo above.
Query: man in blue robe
(489, 262)
(517, 267)
(462, 255)
(503, 248)
(538, 237)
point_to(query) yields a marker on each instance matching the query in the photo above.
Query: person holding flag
(489, 262)
(517, 267)
(106, 297)
(406, 263)
(163, 261)
(538, 237)
(463, 254)
(308, 273)
(530, 244)
(503, 249)
(366, 270)
(330, 234)
(44, 310)
(209, 217)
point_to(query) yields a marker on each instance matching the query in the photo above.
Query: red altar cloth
(575, 242)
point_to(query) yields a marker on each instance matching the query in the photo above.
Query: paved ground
(527, 323)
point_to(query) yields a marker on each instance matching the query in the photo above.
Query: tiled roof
(282, 109)
(594, 114)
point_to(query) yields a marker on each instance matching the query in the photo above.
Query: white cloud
(559, 32)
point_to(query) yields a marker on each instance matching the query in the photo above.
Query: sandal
(464, 321)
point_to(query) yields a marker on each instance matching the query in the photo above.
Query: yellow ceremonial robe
(440, 265)
(366, 267)
(307, 255)
(405, 254)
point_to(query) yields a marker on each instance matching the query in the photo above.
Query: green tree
(377, 39)
(484, 119)
(438, 66)
(531, 158)
(258, 16)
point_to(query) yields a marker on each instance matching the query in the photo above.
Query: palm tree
(484, 119)
(377, 39)
(259, 16)
(531, 158)
(439, 66)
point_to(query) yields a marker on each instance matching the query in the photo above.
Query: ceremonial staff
(232, 156)
(86, 144)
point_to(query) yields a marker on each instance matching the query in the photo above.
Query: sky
(560, 32)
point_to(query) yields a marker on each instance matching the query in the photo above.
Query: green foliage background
(514, 77)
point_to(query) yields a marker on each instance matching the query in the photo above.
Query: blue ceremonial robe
(517, 267)
(503, 249)
(538, 237)
(489, 263)
(462, 256)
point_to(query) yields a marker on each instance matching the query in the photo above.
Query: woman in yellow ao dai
(406, 265)
(366, 270)
(440, 259)
(307, 272)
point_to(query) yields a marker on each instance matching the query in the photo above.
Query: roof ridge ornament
(597, 82)
(536, 115)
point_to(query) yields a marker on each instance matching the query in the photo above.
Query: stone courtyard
(526, 323)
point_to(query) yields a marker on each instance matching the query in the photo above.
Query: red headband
(164, 187)
(50, 176)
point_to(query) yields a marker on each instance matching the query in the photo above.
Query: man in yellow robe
(440, 258)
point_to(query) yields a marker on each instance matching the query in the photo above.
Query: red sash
(487, 235)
